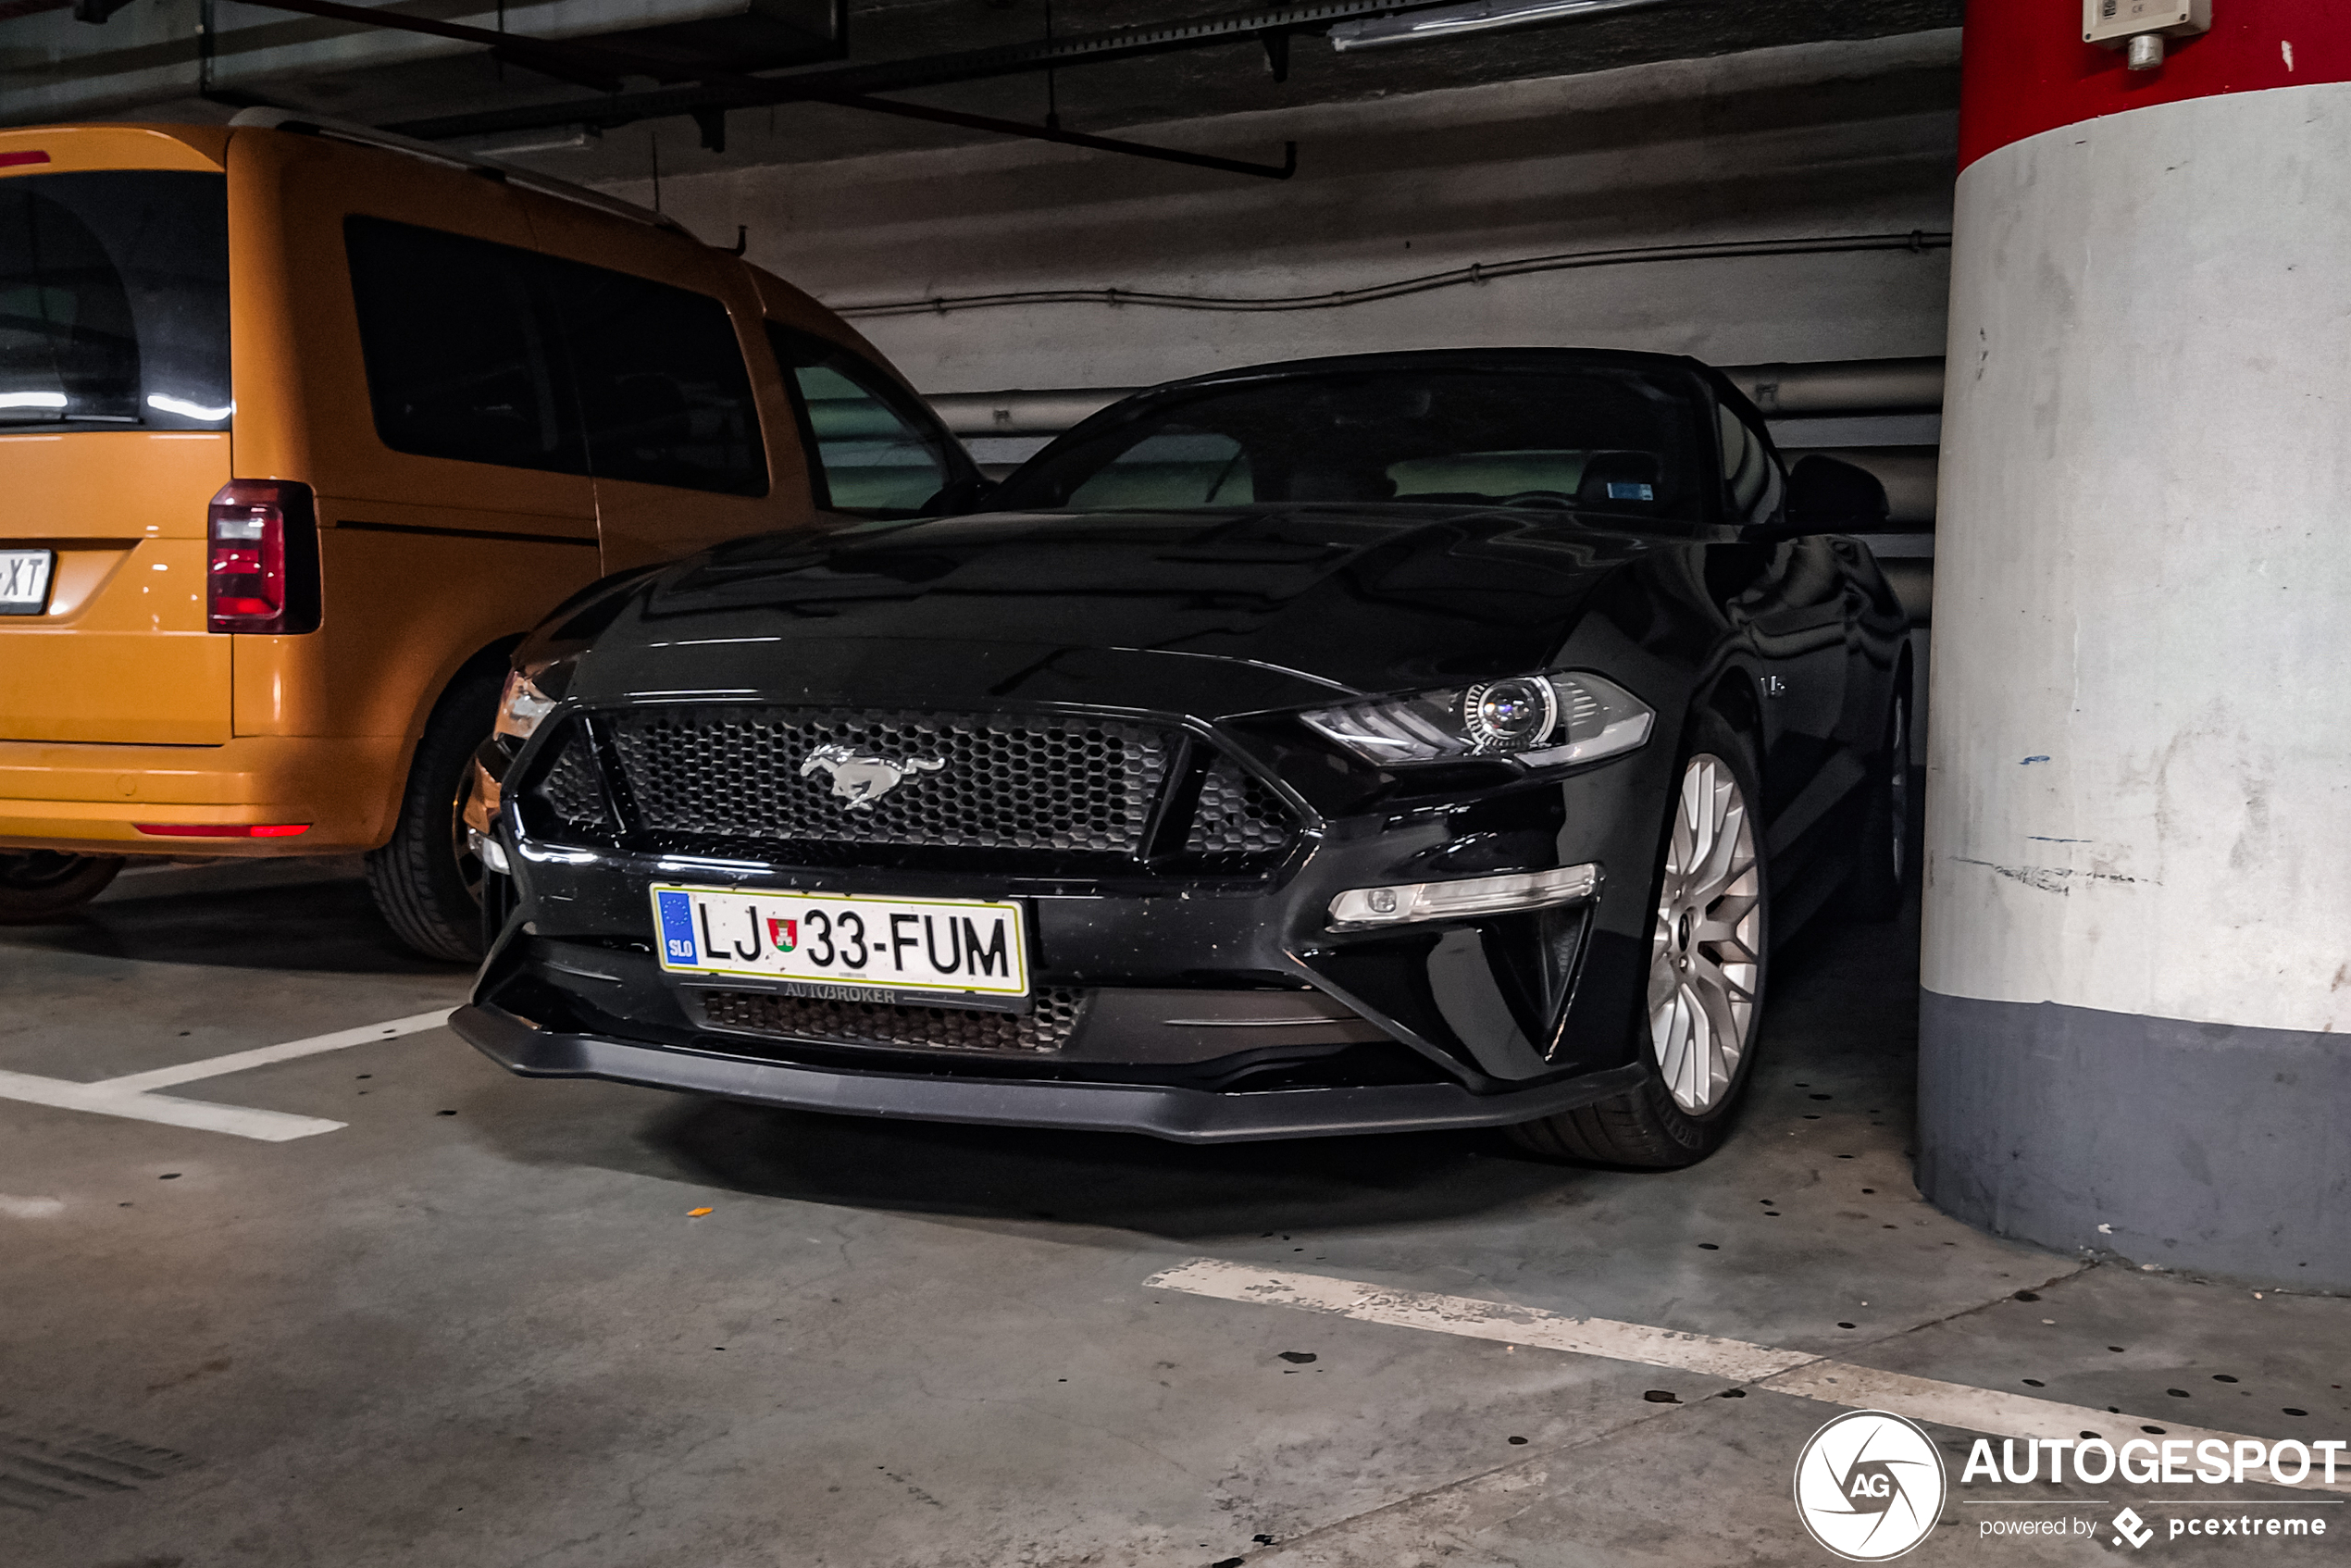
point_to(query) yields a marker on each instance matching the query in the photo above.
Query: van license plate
(933, 945)
(24, 581)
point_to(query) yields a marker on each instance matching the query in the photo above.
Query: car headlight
(1540, 720)
(526, 702)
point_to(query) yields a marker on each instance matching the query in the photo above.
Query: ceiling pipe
(1803, 391)
(1918, 242)
(1023, 413)
(1845, 386)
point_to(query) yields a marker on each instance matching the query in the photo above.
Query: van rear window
(113, 301)
(490, 354)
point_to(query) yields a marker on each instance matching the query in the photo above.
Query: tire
(37, 886)
(1874, 888)
(1673, 1118)
(425, 881)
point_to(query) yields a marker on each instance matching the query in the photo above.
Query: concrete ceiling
(1203, 83)
(1228, 78)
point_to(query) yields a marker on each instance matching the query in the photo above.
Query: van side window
(664, 393)
(456, 349)
(870, 451)
(490, 354)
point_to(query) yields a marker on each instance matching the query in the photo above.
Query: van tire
(38, 886)
(427, 883)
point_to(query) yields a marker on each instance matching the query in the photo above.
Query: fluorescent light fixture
(1366, 909)
(187, 410)
(33, 400)
(1483, 16)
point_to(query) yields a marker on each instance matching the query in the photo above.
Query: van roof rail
(265, 118)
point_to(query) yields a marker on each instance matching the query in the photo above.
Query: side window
(456, 350)
(1748, 471)
(1172, 467)
(664, 393)
(491, 354)
(870, 453)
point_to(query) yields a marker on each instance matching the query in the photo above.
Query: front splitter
(1184, 1116)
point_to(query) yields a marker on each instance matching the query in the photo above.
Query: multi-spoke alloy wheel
(1705, 956)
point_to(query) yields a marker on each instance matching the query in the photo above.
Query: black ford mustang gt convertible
(1408, 741)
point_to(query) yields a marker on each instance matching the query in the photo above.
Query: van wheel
(1707, 957)
(41, 885)
(426, 881)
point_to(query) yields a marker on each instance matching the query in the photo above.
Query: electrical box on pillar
(2139, 26)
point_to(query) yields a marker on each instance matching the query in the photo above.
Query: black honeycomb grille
(1044, 1029)
(843, 776)
(573, 790)
(1237, 817)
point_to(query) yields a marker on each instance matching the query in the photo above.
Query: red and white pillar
(2137, 1029)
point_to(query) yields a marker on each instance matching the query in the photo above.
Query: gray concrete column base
(2206, 1147)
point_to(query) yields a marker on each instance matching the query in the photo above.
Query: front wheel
(426, 881)
(41, 885)
(1706, 969)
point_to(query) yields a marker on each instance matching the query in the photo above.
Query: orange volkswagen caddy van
(301, 428)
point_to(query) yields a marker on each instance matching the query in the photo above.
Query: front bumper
(1181, 1114)
(1175, 999)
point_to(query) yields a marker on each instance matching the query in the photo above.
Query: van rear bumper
(88, 799)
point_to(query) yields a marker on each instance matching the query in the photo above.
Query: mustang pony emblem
(861, 778)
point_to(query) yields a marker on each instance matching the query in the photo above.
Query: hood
(1209, 613)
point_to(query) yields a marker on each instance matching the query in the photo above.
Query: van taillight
(263, 571)
(11, 160)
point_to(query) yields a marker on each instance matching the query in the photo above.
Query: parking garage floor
(419, 1312)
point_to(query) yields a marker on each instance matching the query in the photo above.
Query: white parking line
(214, 1066)
(1762, 1366)
(132, 1095)
(1733, 1359)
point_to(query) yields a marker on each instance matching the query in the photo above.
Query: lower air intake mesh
(572, 788)
(1046, 1027)
(1238, 816)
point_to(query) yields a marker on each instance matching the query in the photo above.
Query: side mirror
(1826, 495)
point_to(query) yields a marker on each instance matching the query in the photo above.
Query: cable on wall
(1918, 240)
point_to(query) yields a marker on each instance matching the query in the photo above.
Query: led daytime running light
(1538, 720)
(1363, 909)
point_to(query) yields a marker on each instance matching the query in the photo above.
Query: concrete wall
(1818, 140)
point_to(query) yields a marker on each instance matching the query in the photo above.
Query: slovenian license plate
(24, 581)
(934, 945)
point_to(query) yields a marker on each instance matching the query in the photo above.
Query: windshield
(113, 301)
(1593, 438)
